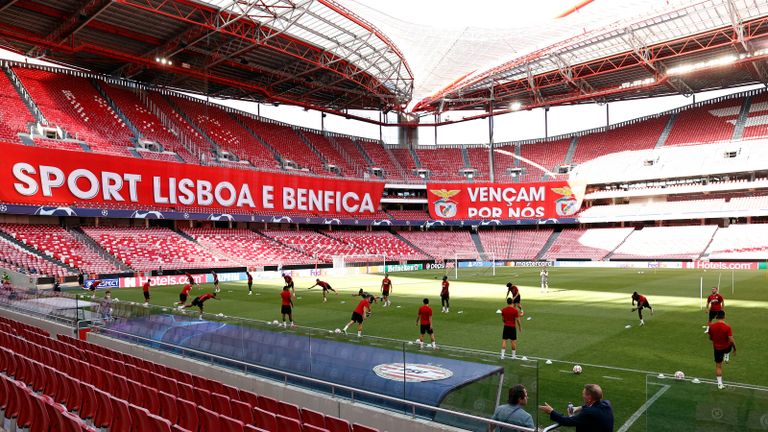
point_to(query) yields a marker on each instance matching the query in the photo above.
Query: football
(679, 375)
(275, 322)
(337, 331)
(576, 369)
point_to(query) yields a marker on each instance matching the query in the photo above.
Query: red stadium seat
(209, 420)
(360, 428)
(290, 411)
(314, 418)
(286, 424)
(231, 425)
(310, 428)
(241, 411)
(188, 417)
(265, 420)
(335, 424)
(221, 404)
(269, 404)
(167, 404)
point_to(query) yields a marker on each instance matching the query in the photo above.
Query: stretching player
(445, 297)
(215, 281)
(183, 296)
(386, 289)
(721, 336)
(514, 292)
(715, 304)
(250, 283)
(94, 285)
(286, 306)
(325, 286)
(190, 279)
(364, 294)
(198, 301)
(642, 302)
(289, 283)
(362, 311)
(424, 319)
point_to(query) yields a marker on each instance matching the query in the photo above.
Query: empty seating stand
(514, 243)
(70, 385)
(443, 244)
(246, 247)
(14, 115)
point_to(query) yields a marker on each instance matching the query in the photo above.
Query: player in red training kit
(514, 292)
(325, 286)
(198, 301)
(445, 297)
(362, 310)
(721, 336)
(286, 306)
(642, 302)
(250, 283)
(386, 289)
(715, 304)
(145, 288)
(289, 283)
(94, 285)
(511, 318)
(183, 296)
(424, 320)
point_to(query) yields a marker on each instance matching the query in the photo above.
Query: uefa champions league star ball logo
(445, 207)
(566, 205)
(411, 372)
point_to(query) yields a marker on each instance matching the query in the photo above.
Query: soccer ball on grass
(577, 369)
(679, 375)
(337, 331)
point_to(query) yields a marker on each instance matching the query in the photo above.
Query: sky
(442, 38)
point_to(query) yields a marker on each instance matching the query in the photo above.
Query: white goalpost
(477, 265)
(342, 263)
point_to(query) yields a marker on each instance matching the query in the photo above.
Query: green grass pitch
(581, 320)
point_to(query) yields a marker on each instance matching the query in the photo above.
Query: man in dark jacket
(596, 415)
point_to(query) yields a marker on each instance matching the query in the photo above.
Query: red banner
(32, 175)
(502, 201)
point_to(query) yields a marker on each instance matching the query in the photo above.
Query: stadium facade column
(490, 136)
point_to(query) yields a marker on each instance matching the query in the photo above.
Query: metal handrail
(413, 405)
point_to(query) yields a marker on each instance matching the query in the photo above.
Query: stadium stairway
(709, 243)
(134, 152)
(478, 244)
(311, 146)
(194, 125)
(258, 138)
(363, 152)
(666, 131)
(25, 96)
(415, 156)
(404, 240)
(291, 247)
(741, 122)
(116, 109)
(548, 244)
(344, 154)
(85, 239)
(608, 256)
(36, 252)
(465, 157)
(26, 139)
(571, 150)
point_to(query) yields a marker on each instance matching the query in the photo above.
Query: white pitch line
(613, 378)
(631, 420)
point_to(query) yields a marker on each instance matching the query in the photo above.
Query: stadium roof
(323, 54)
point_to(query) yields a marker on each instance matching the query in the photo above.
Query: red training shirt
(425, 313)
(146, 286)
(641, 300)
(719, 333)
(716, 302)
(288, 279)
(386, 283)
(250, 278)
(508, 314)
(360, 309)
(285, 295)
(95, 284)
(323, 285)
(444, 291)
(205, 297)
(187, 288)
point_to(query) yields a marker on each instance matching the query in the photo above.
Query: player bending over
(642, 302)
(511, 318)
(289, 283)
(723, 343)
(445, 296)
(325, 286)
(362, 311)
(198, 301)
(514, 292)
(386, 289)
(365, 294)
(424, 319)
(183, 296)
(95, 284)
(715, 304)
(286, 306)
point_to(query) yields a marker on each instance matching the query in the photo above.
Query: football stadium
(349, 216)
